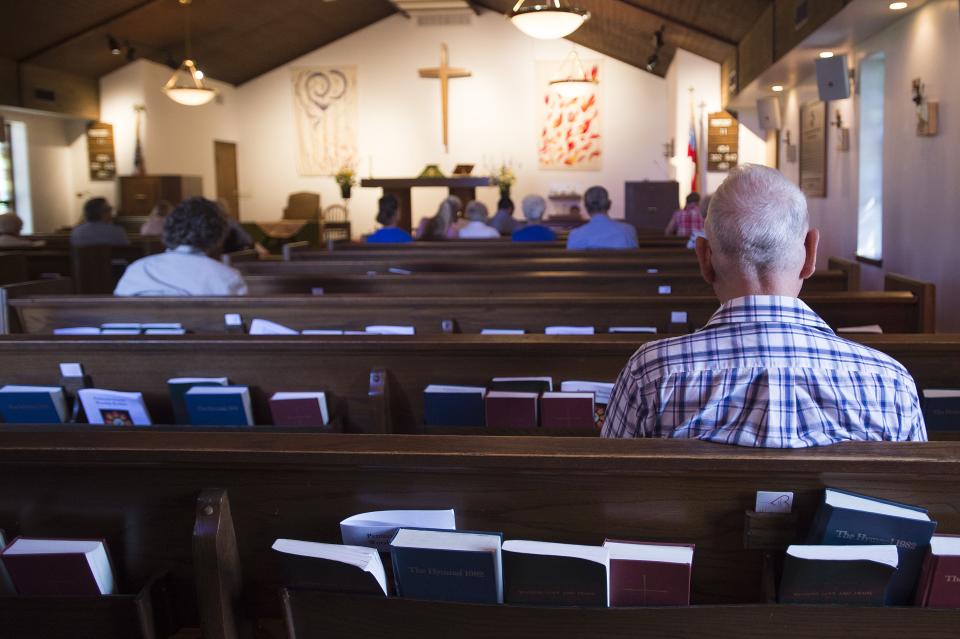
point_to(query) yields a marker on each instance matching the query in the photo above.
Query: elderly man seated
(765, 370)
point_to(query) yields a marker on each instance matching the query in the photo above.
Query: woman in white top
(193, 234)
(477, 228)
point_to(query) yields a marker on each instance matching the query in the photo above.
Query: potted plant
(346, 177)
(504, 177)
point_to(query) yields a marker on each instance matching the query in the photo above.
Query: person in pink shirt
(686, 221)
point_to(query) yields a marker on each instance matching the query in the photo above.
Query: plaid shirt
(688, 220)
(764, 371)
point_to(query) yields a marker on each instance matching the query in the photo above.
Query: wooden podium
(464, 188)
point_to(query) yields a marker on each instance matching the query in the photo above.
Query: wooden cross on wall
(445, 73)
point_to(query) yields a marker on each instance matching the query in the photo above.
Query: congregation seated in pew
(534, 207)
(193, 234)
(688, 220)
(97, 228)
(442, 226)
(601, 232)
(388, 216)
(10, 227)
(153, 226)
(503, 219)
(766, 370)
(476, 227)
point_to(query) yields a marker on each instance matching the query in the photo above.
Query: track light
(652, 62)
(658, 37)
(114, 45)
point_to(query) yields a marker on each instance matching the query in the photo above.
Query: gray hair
(533, 207)
(758, 218)
(10, 224)
(476, 211)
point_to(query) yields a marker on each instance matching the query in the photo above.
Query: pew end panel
(850, 268)
(292, 250)
(10, 321)
(926, 295)
(240, 257)
(13, 268)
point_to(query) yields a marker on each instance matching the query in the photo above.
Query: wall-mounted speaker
(768, 112)
(833, 78)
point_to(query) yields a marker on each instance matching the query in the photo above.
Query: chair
(302, 206)
(335, 223)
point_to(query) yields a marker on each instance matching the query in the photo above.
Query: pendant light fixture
(547, 20)
(573, 80)
(186, 85)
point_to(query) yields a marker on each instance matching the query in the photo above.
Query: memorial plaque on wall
(813, 149)
(102, 158)
(723, 136)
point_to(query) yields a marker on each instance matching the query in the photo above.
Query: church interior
(443, 318)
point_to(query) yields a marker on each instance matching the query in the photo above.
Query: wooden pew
(644, 240)
(13, 268)
(376, 383)
(96, 269)
(137, 489)
(9, 322)
(476, 250)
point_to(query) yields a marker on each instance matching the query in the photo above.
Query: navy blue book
(447, 565)
(542, 573)
(179, 386)
(850, 575)
(219, 406)
(453, 405)
(941, 409)
(849, 519)
(33, 405)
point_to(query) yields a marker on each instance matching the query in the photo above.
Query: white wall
(921, 186)
(492, 115)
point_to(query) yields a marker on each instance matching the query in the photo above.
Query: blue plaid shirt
(764, 371)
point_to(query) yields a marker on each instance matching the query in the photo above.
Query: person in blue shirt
(389, 216)
(533, 208)
(601, 232)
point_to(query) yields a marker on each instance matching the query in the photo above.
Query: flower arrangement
(504, 177)
(346, 177)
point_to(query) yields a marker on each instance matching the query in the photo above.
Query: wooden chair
(302, 206)
(335, 224)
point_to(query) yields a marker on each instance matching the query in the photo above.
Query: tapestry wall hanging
(325, 111)
(570, 137)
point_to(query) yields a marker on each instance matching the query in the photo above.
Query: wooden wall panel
(794, 20)
(755, 52)
(50, 90)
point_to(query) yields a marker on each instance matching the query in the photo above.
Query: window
(870, 199)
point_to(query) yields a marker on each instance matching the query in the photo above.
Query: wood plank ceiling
(237, 40)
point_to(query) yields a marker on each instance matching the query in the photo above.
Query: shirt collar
(186, 249)
(758, 309)
(600, 217)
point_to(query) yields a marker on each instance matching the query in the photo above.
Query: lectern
(464, 188)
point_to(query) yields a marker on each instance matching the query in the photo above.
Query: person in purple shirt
(389, 216)
(533, 209)
(601, 232)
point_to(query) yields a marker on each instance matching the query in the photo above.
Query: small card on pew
(601, 396)
(569, 330)
(33, 404)
(543, 573)
(507, 409)
(443, 565)
(869, 328)
(939, 585)
(941, 409)
(114, 408)
(266, 327)
(77, 330)
(853, 575)
(522, 384)
(178, 387)
(649, 574)
(219, 406)
(502, 331)
(64, 567)
(334, 567)
(845, 518)
(299, 409)
(376, 529)
(633, 329)
(453, 405)
(567, 411)
(390, 330)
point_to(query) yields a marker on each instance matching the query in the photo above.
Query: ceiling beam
(680, 23)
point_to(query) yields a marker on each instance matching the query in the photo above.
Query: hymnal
(601, 396)
(502, 331)
(633, 329)
(837, 574)
(299, 409)
(64, 567)
(33, 405)
(941, 409)
(522, 384)
(266, 327)
(178, 387)
(569, 330)
(321, 331)
(315, 566)
(505, 409)
(849, 519)
(453, 405)
(219, 406)
(164, 331)
(647, 574)
(376, 529)
(543, 573)
(567, 411)
(869, 328)
(77, 330)
(121, 331)
(939, 585)
(448, 565)
(121, 326)
(390, 330)
(114, 408)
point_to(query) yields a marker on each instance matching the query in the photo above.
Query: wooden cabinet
(138, 193)
(649, 205)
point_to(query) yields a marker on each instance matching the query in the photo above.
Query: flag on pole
(692, 149)
(139, 166)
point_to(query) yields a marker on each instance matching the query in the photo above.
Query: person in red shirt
(686, 221)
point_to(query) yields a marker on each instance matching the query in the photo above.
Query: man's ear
(810, 244)
(705, 258)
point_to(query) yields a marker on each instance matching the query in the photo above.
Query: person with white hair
(765, 370)
(476, 227)
(10, 227)
(533, 208)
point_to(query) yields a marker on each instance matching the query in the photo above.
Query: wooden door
(225, 161)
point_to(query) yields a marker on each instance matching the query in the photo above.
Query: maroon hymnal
(506, 409)
(648, 574)
(939, 584)
(65, 567)
(299, 409)
(567, 411)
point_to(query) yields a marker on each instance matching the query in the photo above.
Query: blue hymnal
(219, 406)
(941, 409)
(453, 405)
(846, 519)
(448, 565)
(179, 386)
(33, 405)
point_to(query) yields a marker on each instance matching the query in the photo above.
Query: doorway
(225, 164)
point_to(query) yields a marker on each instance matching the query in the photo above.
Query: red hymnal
(939, 584)
(648, 574)
(567, 411)
(65, 567)
(506, 409)
(299, 409)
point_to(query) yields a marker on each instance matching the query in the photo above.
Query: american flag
(692, 149)
(139, 166)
